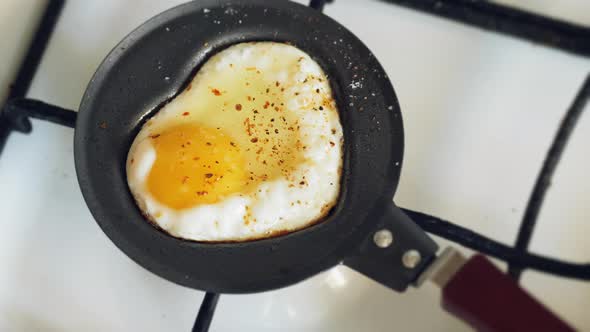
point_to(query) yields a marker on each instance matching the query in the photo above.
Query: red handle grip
(489, 300)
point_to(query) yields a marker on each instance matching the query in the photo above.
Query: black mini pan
(154, 63)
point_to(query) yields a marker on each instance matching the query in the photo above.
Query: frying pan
(157, 60)
(365, 231)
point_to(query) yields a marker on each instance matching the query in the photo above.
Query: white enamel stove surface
(479, 112)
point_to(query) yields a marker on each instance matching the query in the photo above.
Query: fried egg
(251, 148)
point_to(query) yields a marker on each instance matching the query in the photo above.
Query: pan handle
(478, 293)
(395, 251)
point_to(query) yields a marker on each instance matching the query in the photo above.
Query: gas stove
(486, 91)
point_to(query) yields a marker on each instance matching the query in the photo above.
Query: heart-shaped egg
(252, 148)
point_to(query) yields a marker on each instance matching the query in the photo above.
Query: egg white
(276, 206)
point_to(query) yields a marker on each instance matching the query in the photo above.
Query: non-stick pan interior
(153, 63)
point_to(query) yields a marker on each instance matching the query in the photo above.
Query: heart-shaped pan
(155, 62)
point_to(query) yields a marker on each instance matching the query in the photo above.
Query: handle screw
(383, 238)
(411, 258)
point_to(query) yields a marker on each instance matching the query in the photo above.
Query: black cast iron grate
(16, 113)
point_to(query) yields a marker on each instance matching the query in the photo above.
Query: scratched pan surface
(154, 62)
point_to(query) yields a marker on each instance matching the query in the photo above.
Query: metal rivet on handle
(383, 238)
(411, 258)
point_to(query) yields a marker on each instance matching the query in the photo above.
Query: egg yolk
(195, 165)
